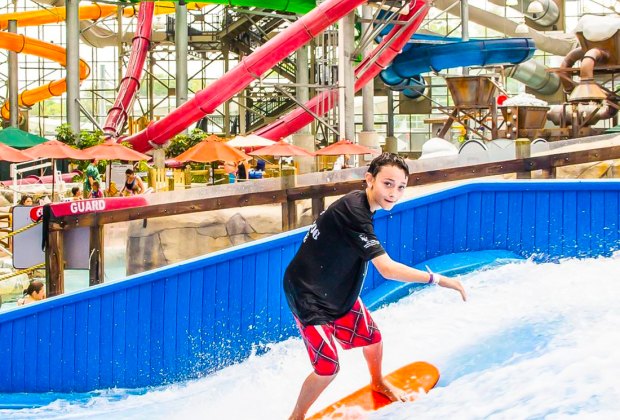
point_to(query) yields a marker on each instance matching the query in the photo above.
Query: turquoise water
(533, 341)
(78, 279)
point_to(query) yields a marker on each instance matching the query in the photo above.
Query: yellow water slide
(26, 45)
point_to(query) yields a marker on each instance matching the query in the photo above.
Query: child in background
(76, 194)
(96, 191)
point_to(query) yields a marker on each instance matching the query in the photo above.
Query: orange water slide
(58, 14)
(87, 12)
(22, 44)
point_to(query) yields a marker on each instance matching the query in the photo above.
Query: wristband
(433, 279)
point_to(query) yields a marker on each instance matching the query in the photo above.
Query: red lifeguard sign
(92, 205)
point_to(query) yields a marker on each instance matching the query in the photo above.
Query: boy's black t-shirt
(326, 275)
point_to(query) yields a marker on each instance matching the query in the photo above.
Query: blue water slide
(425, 56)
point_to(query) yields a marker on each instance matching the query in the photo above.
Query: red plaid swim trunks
(355, 329)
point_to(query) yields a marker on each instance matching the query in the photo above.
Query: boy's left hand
(452, 284)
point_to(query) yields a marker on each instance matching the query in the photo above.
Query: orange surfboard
(411, 379)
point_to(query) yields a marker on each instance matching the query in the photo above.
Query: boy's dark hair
(387, 159)
(129, 172)
(75, 190)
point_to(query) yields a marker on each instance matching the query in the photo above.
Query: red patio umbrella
(54, 149)
(280, 149)
(114, 151)
(9, 154)
(346, 147)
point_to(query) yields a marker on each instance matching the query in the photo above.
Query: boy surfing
(323, 281)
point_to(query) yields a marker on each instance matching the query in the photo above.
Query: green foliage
(88, 139)
(65, 134)
(177, 145)
(182, 142)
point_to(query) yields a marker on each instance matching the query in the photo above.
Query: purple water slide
(250, 68)
(130, 83)
(390, 46)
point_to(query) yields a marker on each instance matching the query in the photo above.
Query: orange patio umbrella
(114, 151)
(209, 150)
(9, 154)
(346, 147)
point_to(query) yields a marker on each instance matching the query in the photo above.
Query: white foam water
(533, 341)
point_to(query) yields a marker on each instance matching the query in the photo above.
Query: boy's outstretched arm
(394, 270)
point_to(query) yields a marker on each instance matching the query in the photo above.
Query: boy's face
(385, 189)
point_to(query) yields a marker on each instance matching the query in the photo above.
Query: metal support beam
(368, 91)
(465, 26)
(346, 78)
(13, 83)
(73, 65)
(302, 77)
(180, 45)
(226, 128)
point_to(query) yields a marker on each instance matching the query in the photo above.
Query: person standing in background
(92, 174)
(242, 171)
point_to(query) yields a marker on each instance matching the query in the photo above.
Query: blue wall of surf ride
(188, 319)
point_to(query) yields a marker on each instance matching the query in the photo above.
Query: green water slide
(294, 6)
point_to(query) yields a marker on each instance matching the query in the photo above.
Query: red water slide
(117, 115)
(252, 67)
(390, 46)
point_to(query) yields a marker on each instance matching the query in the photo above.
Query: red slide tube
(252, 67)
(322, 103)
(117, 115)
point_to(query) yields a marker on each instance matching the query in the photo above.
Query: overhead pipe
(588, 89)
(548, 17)
(569, 61)
(563, 115)
(547, 43)
(535, 76)
(589, 60)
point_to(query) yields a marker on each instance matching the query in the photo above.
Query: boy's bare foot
(383, 387)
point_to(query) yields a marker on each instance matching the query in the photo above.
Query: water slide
(58, 14)
(130, 83)
(251, 67)
(553, 43)
(423, 58)
(389, 47)
(100, 37)
(87, 12)
(22, 44)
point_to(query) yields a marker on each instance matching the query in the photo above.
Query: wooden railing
(287, 198)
